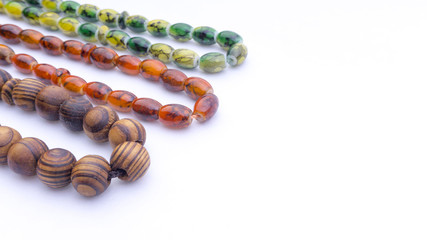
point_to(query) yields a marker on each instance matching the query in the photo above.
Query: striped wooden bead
(49, 100)
(132, 158)
(8, 137)
(98, 121)
(23, 155)
(7, 89)
(90, 175)
(25, 92)
(126, 130)
(72, 112)
(4, 77)
(54, 167)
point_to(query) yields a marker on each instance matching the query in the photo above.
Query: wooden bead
(54, 167)
(4, 77)
(23, 155)
(126, 130)
(24, 63)
(196, 87)
(8, 137)
(120, 100)
(30, 38)
(51, 45)
(175, 116)
(72, 112)
(98, 121)
(90, 175)
(132, 158)
(146, 109)
(49, 100)
(25, 92)
(7, 89)
(97, 92)
(205, 107)
(6, 54)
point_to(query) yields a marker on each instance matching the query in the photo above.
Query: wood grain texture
(90, 175)
(72, 112)
(49, 100)
(8, 137)
(54, 167)
(132, 158)
(98, 121)
(25, 92)
(127, 130)
(4, 77)
(23, 155)
(7, 89)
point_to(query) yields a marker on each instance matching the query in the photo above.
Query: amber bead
(10, 33)
(90, 175)
(30, 38)
(104, 58)
(44, 71)
(128, 64)
(7, 89)
(175, 116)
(4, 77)
(86, 51)
(54, 167)
(152, 69)
(51, 45)
(98, 121)
(72, 112)
(24, 63)
(6, 54)
(196, 87)
(132, 159)
(73, 49)
(126, 130)
(120, 100)
(23, 156)
(8, 137)
(97, 92)
(205, 107)
(173, 80)
(74, 84)
(60, 73)
(25, 92)
(49, 100)
(146, 109)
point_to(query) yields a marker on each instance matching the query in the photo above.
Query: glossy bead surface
(1, 7)
(44, 72)
(120, 100)
(205, 107)
(98, 121)
(161, 52)
(152, 69)
(88, 12)
(33, 2)
(104, 58)
(51, 45)
(173, 80)
(60, 73)
(32, 15)
(158, 28)
(24, 63)
(87, 31)
(136, 23)
(86, 51)
(72, 112)
(97, 92)
(14, 9)
(128, 64)
(69, 8)
(30, 38)
(54, 167)
(237, 54)
(212, 62)
(175, 116)
(126, 130)
(72, 49)
(49, 100)
(68, 26)
(7, 90)
(138, 46)
(25, 92)
(204, 35)
(51, 5)
(121, 20)
(196, 87)
(24, 155)
(117, 39)
(6, 54)
(101, 35)
(49, 20)
(4, 77)
(132, 158)
(185, 58)
(10, 33)
(8, 137)
(226, 39)
(90, 175)
(146, 109)
(181, 32)
(108, 17)
(73, 84)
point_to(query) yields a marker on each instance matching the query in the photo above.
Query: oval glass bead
(88, 12)
(74, 84)
(237, 54)
(54, 167)
(175, 116)
(90, 175)
(44, 71)
(1, 7)
(117, 39)
(69, 8)
(10, 33)
(136, 23)
(68, 26)
(60, 73)
(51, 45)
(86, 51)
(212, 62)
(181, 32)
(6, 54)
(226, 39)
(205, 107)
(196, 87)
(97, 92)
(128, 64)
(158, 27)
(72, 49)
(108, 17)
(152, 69)
(120, 100)
(32, 15)
(101, 34)
(87, 31)
(104, 58)
(146, 109)
(24, 63)
(14, 9)
(138, 46)
(161, 52)
(49, 21)
(30, 38)
(185, 58)
(173, 80)
(121, 20)
(51, 5)
(204, 35)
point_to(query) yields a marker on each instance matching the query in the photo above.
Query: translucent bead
(49, 20)
(237, 54)
(138, 46)
(175, 116)
(60, 73)
(152, 69)
(74, 84)
(161, 52)
(146, 109)
(97, 92)
(51, 5)
(73, 49)
(173, 80)
(68, 26)
(51, 45)
(24, 63)
(87, 31)
(158, 28)
(120, 100)
(104, 58)
(181, 32)
(6, 54)
(86, 51)
(14, 9)
(212, 62)
(32, 15)
(108, 17)
(205, 107)
(69, 8)
(101, 35)
(204, 35)
(33, 2)
(117, 39)
(185, 58)
(196, 87)
(128, 64)
(30, 38)
(10, 33)
(44, 71)
(226, 39)
(1, 7)
(121, 20)
(136, 23)
(88, 12)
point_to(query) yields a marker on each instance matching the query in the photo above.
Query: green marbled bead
(14, 9)
(204, 35)
(32, 15)
(226, 39)
(1, 7)
(185, 58)
(88, 12)
(33, 2)
(180, 32)
(136, 23)
(51, 5)
(237, 54)
(121, 21)
(68, 26)
(138, 46)
(49, 20)
(158, 28)
(161, 52)
(102, 34)
(108, 17)
(87, 31)
(212, 62)
(117, 39)
(69, 8)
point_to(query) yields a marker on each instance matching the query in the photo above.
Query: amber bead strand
(57, 168)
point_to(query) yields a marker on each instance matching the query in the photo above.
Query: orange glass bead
(6, 54)
(152, 69)
(73, 49)
(196, 87)
(146, 109)
(86, 51)
(104, 58)
(74, 84)
(120, 100)
(30, 38)
(128, 64)
(59, 75)
(24, 63)
(97, 92)
(10, 33)
(173, 80)
(51, 45)
(44, 71)
(175, 116)
(205, 107)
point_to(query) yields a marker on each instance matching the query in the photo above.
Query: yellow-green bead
(14, 9)
(212, 62)
(102, 34)
(158, 28)
(108, 17)
(117, 39)
(32, 15)
(1, 7)
(161, 52)
(49, 20)
(68, 26)
(237, 54)
(51, 5)
(185, 58)
(88, 12)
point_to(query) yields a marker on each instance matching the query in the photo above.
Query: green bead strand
(136, 23)
(212, 62)
(138, 46)
(69, 8)
(68, 26)
(158, 28)
(185, 58)
(49, 20)
(117, 39)
(161, 52)
(88, 12)
(87, 31)
(32, 15)
(181, 32)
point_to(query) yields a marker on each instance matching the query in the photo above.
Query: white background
(321, 134)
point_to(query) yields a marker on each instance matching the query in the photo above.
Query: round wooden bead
(23, 155)
(49, 100)
(90, 175)
(25, 92)
(6, 54)
(54, 167)
(72, 112)
(132, 158)
(7, 89)
(98, 121)
(126, 130)
(4, 77)
(8, 137)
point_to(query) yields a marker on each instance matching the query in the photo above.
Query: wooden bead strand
(8, 137)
